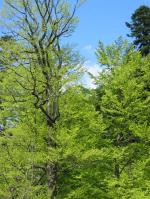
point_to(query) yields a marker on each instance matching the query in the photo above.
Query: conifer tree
(140, 29)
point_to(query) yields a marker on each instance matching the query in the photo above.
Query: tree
(6, 40)
(113, 55)
(25, 148)
(40, 66)
(140, 29)
(123, 104)
(79, 137)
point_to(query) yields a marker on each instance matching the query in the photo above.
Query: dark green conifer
(140, 29)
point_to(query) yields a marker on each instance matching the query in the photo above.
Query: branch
(15, 8)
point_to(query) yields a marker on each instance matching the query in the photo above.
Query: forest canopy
(58, 138)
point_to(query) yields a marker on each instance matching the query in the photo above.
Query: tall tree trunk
(51, 168)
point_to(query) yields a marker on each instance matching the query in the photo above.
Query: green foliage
(59, 139)
(79, 138)
(115, 54)
(99, 152)
(25, 151)
(124, 103)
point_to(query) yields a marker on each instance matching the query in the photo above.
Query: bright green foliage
(114, 54)
(80, 162)
(140, 29)
(102, 153)
(124, 103)
(60, 140)
(27, 146)
(79, 138)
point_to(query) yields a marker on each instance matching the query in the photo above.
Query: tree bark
(51, 179)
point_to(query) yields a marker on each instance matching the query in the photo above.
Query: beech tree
(41, 65)
(122, 99)
(57, 138)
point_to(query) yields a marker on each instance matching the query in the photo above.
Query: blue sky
(103, 20)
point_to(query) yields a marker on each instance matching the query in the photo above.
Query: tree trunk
(51, 179)
(52, 110)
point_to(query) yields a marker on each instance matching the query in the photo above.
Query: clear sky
(103, 20)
